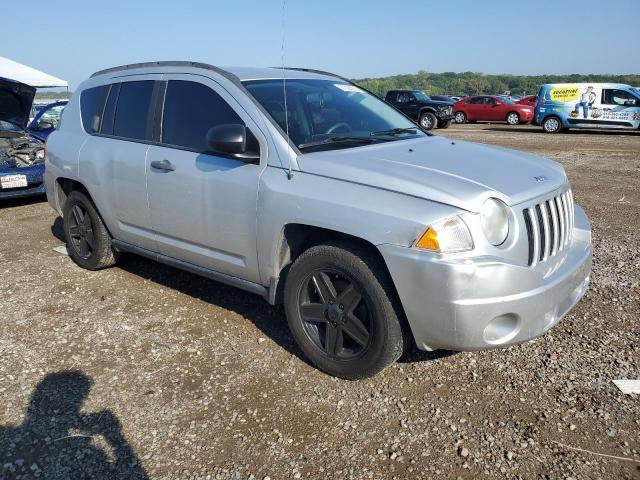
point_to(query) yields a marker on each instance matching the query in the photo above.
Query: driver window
(612, 96)
(490, 101)
(405, 97)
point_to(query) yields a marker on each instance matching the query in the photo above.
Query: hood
(438, 103)
(15, 101)
(461, 174)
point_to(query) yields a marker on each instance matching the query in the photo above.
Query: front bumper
(35, 181)
(445, 114)
(484, 302)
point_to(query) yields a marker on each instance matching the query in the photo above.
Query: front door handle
(164, 165)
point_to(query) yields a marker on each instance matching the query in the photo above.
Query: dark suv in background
(421, 108)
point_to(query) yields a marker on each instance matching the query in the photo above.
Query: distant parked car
(418, 106)
(529, 100)
(21, 154)
(491, 108)
(46, 120)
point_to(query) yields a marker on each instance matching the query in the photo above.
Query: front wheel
(551, 124)
(342, 310)
(88, 240)
(513, 118)
(460, 117)
(428, 120)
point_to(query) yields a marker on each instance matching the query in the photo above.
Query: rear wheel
(342, 312)
(88, 240)
(460, 117)
(428, 120)
(513, 118)
(551, 124)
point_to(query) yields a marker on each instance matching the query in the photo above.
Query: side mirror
(234, 140)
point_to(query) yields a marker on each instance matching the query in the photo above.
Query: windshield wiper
(335, 140)
(393, 131)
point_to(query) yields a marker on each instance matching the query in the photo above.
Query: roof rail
(170, 63)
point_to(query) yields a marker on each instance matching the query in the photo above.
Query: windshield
(326, 110)
(507, 100)
(9, 127)
(423, 97)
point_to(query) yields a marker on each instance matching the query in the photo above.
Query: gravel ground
(143, 371)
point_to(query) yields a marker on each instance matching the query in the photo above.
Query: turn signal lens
(429, 240)
(446, 236)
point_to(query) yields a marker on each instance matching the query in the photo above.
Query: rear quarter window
(132, 110)
(92, 107)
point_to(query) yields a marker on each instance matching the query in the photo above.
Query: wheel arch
(64, 186)
(424, 110)
(297, 238)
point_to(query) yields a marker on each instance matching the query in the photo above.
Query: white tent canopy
(24, 74)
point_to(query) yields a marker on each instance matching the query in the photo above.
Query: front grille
(549, 227)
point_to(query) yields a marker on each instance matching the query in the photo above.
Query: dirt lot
(143, 371)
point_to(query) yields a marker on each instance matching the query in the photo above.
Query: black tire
(551, 124)
(444, 124)
(512, 118)
(88, 240)
(357, 277)
(460, 117)
(428, 120)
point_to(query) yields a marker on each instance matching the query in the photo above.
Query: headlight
(494, 220)
(446, 236)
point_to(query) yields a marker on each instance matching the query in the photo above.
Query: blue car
(46, 120)
(21, 152)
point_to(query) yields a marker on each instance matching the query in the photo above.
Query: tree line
(473, 83)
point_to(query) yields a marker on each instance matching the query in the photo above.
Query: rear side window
(91, 107)
(132, 110)
(190, 110)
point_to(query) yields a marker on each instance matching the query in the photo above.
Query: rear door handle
(164, 165)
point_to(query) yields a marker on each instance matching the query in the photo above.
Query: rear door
(475, 108)
(113, 158)
(203, 205)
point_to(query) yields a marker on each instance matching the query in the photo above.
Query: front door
(203, 205)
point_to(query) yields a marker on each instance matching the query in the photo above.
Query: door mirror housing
(234, 140)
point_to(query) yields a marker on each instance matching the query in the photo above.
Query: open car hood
(15, 101)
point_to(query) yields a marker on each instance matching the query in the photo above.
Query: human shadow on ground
(57, 441)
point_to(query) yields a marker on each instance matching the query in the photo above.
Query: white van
(587, 105)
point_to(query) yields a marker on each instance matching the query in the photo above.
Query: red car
(529, 100)
(490, 108)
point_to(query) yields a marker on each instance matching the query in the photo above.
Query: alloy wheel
(81, 233)
(460, 117)
(425, 122)
(512, 119)
(551, 125)
(335, 315)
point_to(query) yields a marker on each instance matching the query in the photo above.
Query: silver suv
(371, 231)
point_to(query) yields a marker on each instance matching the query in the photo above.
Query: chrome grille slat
(549, 226)
(535, 227)
(562, 229)
(567, 223)
(556, 228)
(547, 234)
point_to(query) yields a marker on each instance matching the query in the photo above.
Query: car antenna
(284, 91)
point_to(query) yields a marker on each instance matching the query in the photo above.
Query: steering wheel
(337, 126)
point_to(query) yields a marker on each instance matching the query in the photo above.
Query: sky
(71, 39)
